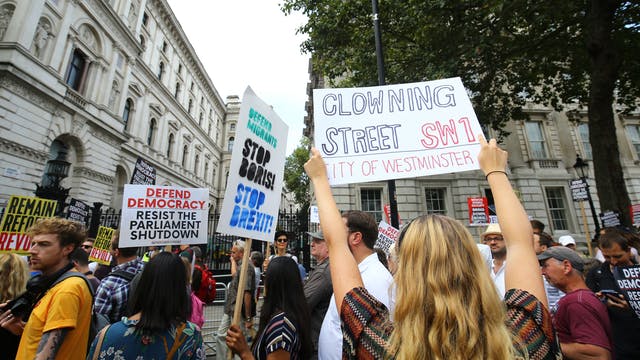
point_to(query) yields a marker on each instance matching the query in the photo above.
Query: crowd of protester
(437, 293)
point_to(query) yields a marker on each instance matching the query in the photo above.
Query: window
(179, 69)
(192, 86)
(190, 107)
(230, 144)
(200, 119)
(232, 127)
(128, 106)
(142, 42)
(170, 145)
(196, 164)
(76, 70)
(209, 130)
(583, 134)
(145, 19)
(152, 129)
(536, 140)
(371, 202)
(160, 70)
(633, 132)
(206, 172)
(557, 209)
(164, 46)
(435, 200)
(177, 92)
(185, 152)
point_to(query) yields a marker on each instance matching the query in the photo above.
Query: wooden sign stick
(237, 310)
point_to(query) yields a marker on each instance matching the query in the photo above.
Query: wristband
(494, 171)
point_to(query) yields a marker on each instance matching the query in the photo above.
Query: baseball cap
(562, 253)
(317, 235)
(565, 240)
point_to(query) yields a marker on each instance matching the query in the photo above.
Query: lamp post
(582, 170)
(54, 172)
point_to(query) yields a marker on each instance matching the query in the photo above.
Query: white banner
(163, 215)
(396, 131)
(256, 174)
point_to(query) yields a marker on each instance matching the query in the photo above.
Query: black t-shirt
(625, 325)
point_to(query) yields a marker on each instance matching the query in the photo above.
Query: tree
(296, 180)
(564, 54)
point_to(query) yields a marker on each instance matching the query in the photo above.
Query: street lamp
(582, 169)
(54, 172)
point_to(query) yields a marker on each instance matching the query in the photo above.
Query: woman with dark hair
(284, 318)
(158, 328)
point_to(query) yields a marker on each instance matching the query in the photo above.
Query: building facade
(542, 152)
(100, 84)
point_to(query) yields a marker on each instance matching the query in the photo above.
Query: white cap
(565, 240)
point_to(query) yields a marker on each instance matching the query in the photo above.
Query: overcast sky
(251, 43)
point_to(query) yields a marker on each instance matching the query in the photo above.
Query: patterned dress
(122, 342)
(367, 328)
(280, 333)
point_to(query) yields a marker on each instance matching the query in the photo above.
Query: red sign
(478, 211)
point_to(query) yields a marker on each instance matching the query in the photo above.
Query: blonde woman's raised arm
(522, 269)
(344, 269)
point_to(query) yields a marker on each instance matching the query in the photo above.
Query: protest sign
(396, 131)
(635, 214)
(77, 211)
(628, 279)
(478, 211)
(314, 215)
(254, 186)
(101, 251)
(163, 215)
(143, 173)
(387, 235)
(579, 190)
(610, 218)
(19, 214)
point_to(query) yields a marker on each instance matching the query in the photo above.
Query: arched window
(230, 144)
(152, 128)
(170, 145)
(160, 70)
(232, 127)
(185, 152)
(75, 76)
(190, 107)
(196, 164)
(128, 107)
(200, 119)
(206, 172)
(177, 92)
(142, 42)
(209, 129)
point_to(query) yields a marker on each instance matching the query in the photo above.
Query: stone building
(542, 152)
(99, 84)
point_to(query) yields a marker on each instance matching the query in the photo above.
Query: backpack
(98, 321)
(206, 290)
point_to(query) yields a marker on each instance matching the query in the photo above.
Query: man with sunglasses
(493, 238)
(362, 231)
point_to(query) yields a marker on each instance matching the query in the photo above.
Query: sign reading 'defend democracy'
(396, 131)
(163, 215)
(19, 214)
(254, 186)
(628, 279)
(387, 235)
(77, 211)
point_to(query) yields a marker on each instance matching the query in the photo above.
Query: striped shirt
(280, 333)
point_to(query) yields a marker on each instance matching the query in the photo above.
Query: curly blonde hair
(447, 306)
(14, 274)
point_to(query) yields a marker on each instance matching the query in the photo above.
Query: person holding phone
(625, 324)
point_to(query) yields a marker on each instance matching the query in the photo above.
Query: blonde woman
(14, 274)
(446, 305)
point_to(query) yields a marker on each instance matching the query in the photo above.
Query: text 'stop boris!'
(163, 215)
(252, 197)
(396, 131)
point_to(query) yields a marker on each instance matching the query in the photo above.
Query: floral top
(122, 342)
(366, 327)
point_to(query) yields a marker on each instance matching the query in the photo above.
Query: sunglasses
(86, 246)
(282, 240)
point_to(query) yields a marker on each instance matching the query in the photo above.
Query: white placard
(396, 131)
(254, 186)
(387, 235)
(314, 215)
(163, 215)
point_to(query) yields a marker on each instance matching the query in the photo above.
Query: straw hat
(491, 229)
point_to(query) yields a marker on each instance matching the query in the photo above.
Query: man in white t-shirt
(362, 235)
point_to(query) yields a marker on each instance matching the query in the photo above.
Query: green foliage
(295, 178)
(506, 52)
